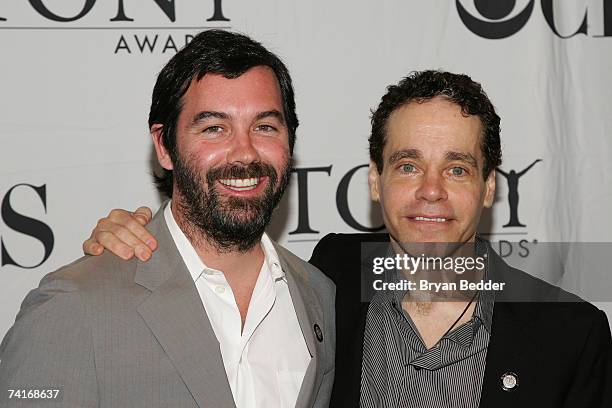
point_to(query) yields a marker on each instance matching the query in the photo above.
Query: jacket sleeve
(591, 387)
(49, 348)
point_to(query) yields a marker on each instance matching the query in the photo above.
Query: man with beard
(220, 316)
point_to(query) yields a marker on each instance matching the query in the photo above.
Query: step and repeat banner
(76, 78)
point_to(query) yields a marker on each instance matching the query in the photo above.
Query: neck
(437, 270)
(230, 261)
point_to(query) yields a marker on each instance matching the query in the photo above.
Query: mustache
(251, 170)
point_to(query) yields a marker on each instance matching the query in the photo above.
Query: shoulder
(570, 315)
(311, 273)
(63, 291)
(521, 286)
(337, 240)
(51, 339)
(336, 253)
(331, 245)
(89, 273)
(547, 308)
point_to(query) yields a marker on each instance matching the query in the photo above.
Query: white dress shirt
(266, 361)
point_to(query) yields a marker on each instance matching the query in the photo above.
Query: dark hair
(212, 51)
(425, 85)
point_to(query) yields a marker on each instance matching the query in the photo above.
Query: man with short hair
(221, 315)
(434, 148)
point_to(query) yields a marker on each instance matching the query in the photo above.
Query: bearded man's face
(232, 159)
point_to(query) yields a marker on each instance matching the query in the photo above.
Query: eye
(458, 171)
(265, 128)
(407, 168)
(213, 129)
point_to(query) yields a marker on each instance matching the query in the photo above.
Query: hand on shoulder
(124, 234)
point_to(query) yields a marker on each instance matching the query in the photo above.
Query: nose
(242, 149)
(432, 188)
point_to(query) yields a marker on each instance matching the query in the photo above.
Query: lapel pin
(509, 381)
(318, 332)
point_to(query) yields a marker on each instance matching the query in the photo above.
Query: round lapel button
(509, 381)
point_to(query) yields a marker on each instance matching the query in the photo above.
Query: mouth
(243, 187)
(246, 184)
(430, 221)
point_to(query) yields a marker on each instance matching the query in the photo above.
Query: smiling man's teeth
(240, 184)
(430, 219)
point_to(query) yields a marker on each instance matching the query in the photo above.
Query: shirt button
(219, 289)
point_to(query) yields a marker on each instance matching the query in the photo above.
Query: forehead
(255, 90)
(434, 127)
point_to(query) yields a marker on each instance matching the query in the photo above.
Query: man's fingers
(123, 233)
(144, 215)
(91, 247)
(111, 242)
(134, 224)
(120, 239)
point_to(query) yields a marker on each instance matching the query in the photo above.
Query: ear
(163, 157)
(374, 182)
(489, 189)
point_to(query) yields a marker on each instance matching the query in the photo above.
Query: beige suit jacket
(111, 333)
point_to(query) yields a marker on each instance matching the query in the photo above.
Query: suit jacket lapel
(177, 318)
(508, 352)
(308, 310)
(509, 345)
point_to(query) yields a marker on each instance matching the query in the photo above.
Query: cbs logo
(496, 19)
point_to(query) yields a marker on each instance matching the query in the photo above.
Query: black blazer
(560, 351)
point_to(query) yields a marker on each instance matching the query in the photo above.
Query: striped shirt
(399, 371)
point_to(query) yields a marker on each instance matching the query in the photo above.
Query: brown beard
(234, 224)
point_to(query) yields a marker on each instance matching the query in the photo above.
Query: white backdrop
(74, 99)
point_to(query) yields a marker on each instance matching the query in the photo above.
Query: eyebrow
(271, 114)
(416, 154)
(462, 157)
(405, 154)
(204, 115)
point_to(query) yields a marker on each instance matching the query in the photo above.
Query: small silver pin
(318, 332)
(509, 381)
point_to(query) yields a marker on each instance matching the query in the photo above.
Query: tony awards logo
(512, 177)
(144, 26)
